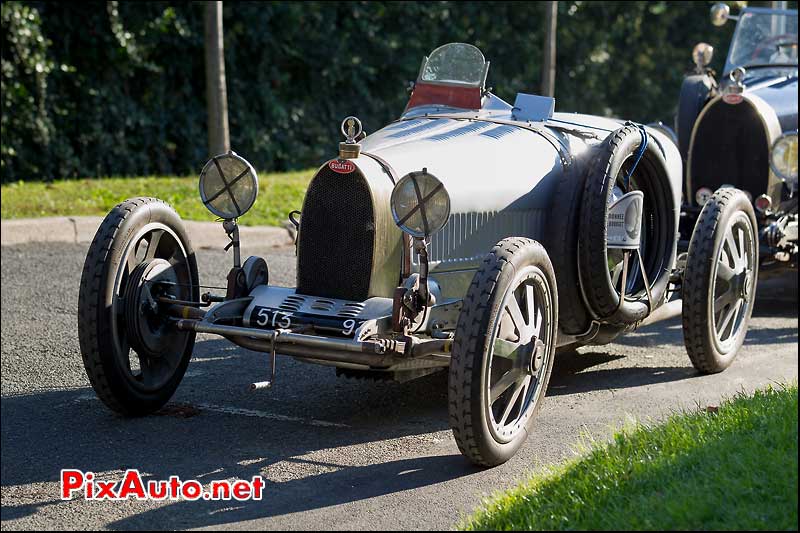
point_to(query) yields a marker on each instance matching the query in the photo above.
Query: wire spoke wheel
(617, 257)
(625, 163)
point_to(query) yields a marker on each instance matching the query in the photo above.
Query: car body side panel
(500, 179)
(781, 96)
(387, 256)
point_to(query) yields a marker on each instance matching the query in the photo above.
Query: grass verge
(279, 193)
(730, 468)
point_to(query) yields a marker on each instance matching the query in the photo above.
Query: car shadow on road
(47, 431)
(576, 373)
(298, 433)
(295, 434)
(310, 493)
(670, 332)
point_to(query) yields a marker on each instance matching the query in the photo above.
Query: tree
(549, 63)
(99, 88)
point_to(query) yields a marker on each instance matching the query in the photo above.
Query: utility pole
(216, 91)
(549, 63)
(779, 23)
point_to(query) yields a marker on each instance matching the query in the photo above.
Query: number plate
(269, 318)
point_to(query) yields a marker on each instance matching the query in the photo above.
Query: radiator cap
(352, 130)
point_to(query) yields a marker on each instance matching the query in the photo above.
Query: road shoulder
(81, 229)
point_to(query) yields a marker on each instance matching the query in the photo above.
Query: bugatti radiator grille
(730, 148)
(337, 234)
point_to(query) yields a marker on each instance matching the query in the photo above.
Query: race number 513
(268, 318)
(278, 319)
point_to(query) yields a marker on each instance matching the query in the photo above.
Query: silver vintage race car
(469, 234)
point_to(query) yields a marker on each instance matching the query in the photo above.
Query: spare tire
(600, 267)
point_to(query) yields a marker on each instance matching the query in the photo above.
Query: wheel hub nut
(537, 356)
(746, 286)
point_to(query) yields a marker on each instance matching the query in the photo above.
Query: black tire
(511, 261)
(601, 295)
(711, 345)
(101, 331)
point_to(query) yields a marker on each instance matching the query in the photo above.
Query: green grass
(278, 194)
(733, 469)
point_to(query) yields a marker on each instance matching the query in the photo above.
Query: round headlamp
(702, 195)
(702, 54)
(783, 156)
(228, 186)
(420, 204)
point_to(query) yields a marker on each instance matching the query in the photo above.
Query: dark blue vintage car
(741, 130)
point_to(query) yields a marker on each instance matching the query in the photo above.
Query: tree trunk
(549, 63)
(216, 91)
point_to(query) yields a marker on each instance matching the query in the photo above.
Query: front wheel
(135, 357)
(719, 283)
(503, 351)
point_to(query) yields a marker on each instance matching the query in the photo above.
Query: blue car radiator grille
(730, 148)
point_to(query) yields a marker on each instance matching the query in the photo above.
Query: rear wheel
(133, 356)
(720, 280)
(503, 351)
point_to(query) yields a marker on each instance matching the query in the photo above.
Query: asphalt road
(337, 454)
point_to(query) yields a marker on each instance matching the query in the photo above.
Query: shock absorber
(772, 234)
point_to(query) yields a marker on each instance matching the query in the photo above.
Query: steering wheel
(766, 42)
